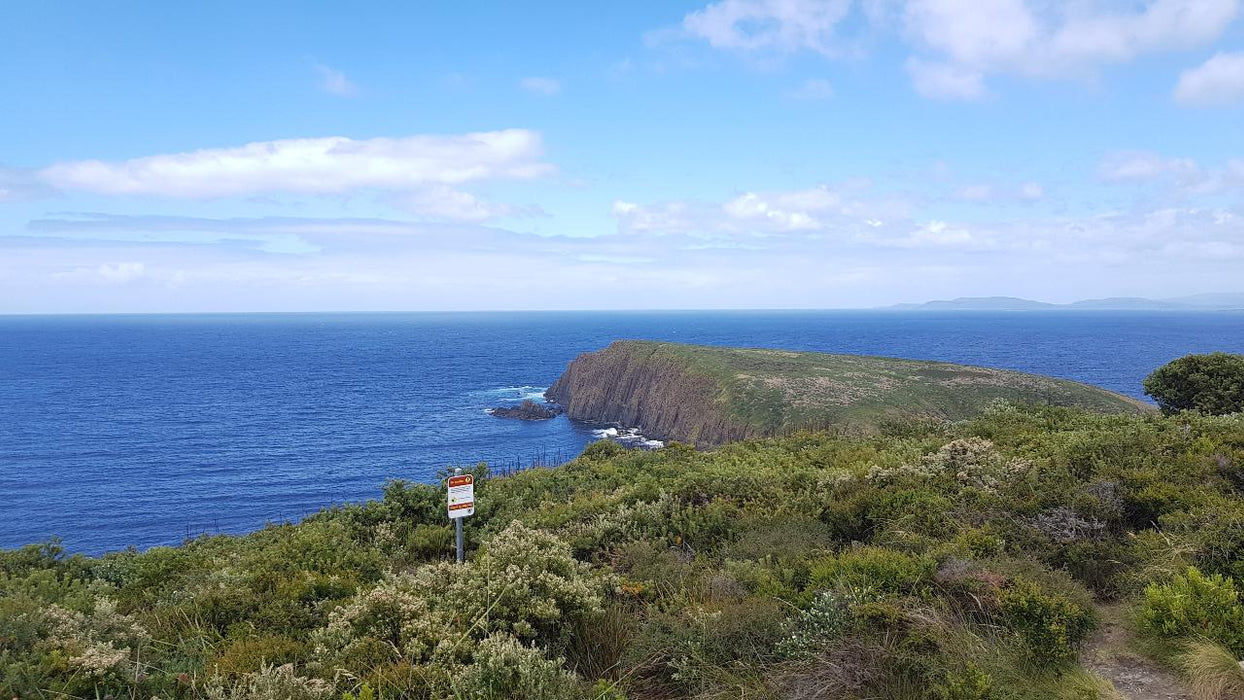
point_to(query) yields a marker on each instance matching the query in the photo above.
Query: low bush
(1195, 605)
(1051, 625)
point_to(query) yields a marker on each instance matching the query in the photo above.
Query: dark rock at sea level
(528, 410)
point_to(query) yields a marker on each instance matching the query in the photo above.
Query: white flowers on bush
(827, 619)
(99, 643)
(503, 668)
(525, 585)
(972, 461)
(270, 683)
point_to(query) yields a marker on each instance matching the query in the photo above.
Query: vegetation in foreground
(958, 561)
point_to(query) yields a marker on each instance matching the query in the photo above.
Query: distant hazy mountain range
(1196, 302)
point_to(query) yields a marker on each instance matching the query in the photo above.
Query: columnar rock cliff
(708, 396)
(637, 385)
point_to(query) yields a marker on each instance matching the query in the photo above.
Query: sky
(374, 156)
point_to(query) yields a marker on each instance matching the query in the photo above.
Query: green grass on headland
(923, 561)
(776, 389)
(710, 396)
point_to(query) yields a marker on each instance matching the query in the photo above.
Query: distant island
(1196, 302)
(709, 396)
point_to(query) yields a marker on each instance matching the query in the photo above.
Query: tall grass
(1213, 671)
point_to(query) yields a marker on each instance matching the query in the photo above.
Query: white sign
(461, 496)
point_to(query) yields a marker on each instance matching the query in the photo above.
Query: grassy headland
(708, 396)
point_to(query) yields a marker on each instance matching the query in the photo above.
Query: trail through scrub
(1109, 655)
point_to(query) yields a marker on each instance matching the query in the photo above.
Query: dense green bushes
(1195, 605)
(932, 561)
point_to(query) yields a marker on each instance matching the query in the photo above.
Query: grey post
(458, 526)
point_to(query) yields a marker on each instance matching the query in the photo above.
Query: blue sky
(733, 154)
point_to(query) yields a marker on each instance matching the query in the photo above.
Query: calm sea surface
(140, 430)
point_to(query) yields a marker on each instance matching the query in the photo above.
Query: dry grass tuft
(1213, 672)
(1082, 684)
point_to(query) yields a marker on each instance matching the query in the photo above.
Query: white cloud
(945, 80)
(958, 44)
(1218, 81)
(814, 89)
(442, 203)
(773, 25)
(1031, 191)
(754, 258)
(976, 193)
(805, 211)
(119, 273)
(1047, 40)
(312, 166)
(541, 86)
(1186, 175)
(1028, 192)
(334, 82)
(1135, 166)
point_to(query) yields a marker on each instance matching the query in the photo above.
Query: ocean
(136, 430)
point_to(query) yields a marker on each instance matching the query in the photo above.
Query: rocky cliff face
(633, 384)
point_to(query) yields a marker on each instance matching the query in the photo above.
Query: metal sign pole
(458, 527)
(461, 503)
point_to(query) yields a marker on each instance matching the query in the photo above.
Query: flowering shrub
(270, 683)
(523, 585)
(98, 643)
(502, 668)
(828, 618)
(969, 461)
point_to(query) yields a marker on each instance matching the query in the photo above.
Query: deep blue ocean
(141, 430)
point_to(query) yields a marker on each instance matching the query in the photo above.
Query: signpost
(461, 503)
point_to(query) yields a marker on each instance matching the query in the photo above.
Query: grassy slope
(933, 561)
(777, 391)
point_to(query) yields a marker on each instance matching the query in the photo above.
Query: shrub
(1051, 625)
(270, 683)
(1193, 604)
(523, 583)
(1212, 384)
(253, 653)
(830, 616)
(526, 582)
(969, 683)
(503, 668)
(884, 570)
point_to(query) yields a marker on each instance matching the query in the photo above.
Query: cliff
(708, 396)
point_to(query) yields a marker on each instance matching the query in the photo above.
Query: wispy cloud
(541, 86)
(335, 82)
(1218, 81)
(956, 45)
(1185, 175)
(313, 166)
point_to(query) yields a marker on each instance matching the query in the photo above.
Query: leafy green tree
(1212, 384)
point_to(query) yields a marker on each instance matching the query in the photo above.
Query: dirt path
(1109, 655)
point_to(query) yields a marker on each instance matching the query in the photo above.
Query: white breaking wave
(516, 393)
(629, 437)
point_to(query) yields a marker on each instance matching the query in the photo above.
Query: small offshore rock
(528, 410)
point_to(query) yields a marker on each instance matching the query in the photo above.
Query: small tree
(1212, 384)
